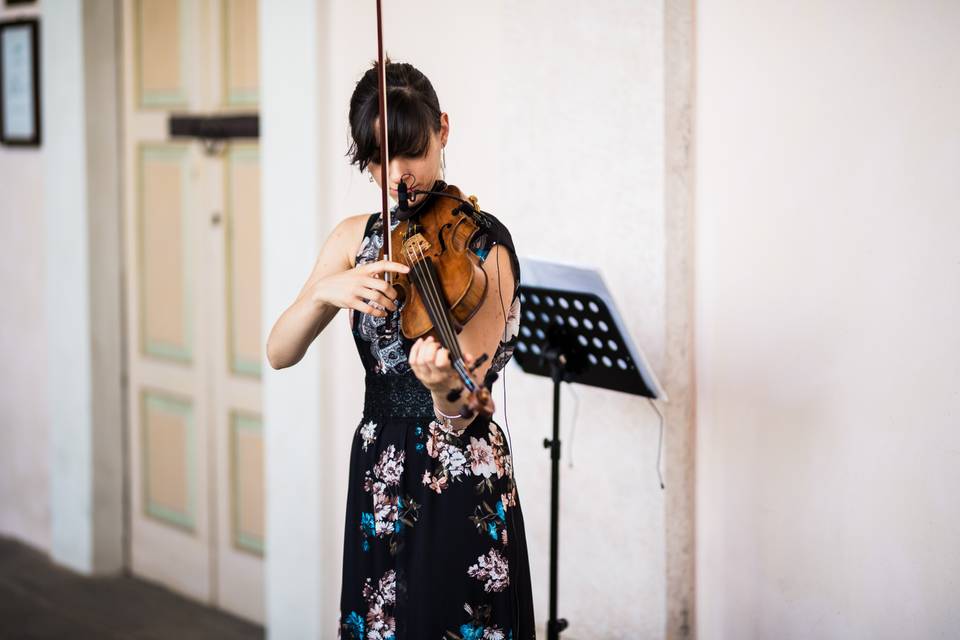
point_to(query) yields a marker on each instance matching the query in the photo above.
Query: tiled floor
(41, 600)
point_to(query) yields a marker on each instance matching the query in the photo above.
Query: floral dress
(434, 544)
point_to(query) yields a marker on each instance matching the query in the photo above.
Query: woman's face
(417, 173)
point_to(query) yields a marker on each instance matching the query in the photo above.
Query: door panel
(192, 282)
(243, 259)
(166, 198)
(241, 72)
(237, 397)
(161, 30)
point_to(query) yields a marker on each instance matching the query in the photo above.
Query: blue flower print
(367, 523)
(419, 446)
(418, 431)
(355, 624)
(501, 513)
(365, 545)
(470, 632)
(492, 530)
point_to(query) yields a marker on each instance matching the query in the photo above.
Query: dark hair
(413, 114)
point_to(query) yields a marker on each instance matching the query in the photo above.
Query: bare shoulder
(499, 270)
(348, 234)
(340, 248)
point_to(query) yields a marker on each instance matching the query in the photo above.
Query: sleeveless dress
(434, 543)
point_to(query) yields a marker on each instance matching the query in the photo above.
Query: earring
(371, 175)
(443, 163)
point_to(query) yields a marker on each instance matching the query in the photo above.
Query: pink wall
(828, 278)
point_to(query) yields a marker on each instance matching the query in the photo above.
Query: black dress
(434, 544)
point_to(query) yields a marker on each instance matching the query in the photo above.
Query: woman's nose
(395, 173)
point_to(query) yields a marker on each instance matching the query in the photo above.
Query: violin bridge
(416, 245)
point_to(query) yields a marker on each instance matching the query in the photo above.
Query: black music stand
(570, 331)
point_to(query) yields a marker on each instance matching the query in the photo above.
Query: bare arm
(481, 335)
(332, 285)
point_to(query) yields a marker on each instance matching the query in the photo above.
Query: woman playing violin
(434, 543)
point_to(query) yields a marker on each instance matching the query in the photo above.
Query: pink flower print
(380, 624)
(452, 459)
(437, 484)
(369, 434)
(434, 440)
(492, 569)
(481, 458)
(390, 467)
(504, 464)
(376, 487)
(388, 587)
(384, 514)
(496, 436)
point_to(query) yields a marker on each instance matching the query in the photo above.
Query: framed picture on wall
(20, 82)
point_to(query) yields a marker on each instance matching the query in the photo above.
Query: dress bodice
(382, 347)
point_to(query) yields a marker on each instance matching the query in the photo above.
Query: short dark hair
(413, 114)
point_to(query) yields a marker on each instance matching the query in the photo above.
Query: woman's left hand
(431, 364)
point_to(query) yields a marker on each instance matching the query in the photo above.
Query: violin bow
(384, 149)
(441, 317)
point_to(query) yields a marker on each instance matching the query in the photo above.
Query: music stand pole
(571, 331)
(554, 626)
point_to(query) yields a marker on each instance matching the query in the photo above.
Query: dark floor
(41, 600)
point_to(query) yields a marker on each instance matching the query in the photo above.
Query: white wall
(547, 101)
(83, 312)
(828, 306)
(24, 483)
(298, 565)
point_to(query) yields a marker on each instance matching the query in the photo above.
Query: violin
(446, 283)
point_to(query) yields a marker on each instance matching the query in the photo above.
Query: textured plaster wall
(557, 125)
(828, 307)
(24, 483)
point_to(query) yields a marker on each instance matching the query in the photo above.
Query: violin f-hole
(443, 243)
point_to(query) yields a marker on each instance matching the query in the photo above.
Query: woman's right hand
(356, 288)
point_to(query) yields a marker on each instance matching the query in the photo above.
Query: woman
(434, 543)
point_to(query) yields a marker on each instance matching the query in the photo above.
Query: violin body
(435, 244)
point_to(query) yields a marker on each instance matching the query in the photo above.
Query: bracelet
(441, 413)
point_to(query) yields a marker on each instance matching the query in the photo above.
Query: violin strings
(432, 296)
(444, 314)
(442, 319)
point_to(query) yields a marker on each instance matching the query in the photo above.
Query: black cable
(467, 207)
(506, 421)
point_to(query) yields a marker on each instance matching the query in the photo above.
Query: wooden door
(192, 283)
